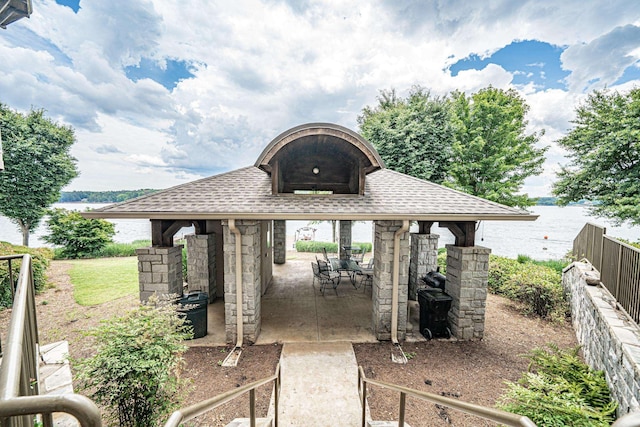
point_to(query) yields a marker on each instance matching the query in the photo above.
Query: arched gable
(319, 157)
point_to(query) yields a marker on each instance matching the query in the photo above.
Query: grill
(434, 307)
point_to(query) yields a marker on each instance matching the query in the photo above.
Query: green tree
(604, 153)
(37, 165)
(80, 237)
(492, 154)
(412, 135)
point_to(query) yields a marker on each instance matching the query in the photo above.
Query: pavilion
(316, 171)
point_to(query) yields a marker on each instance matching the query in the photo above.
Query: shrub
(80, 237)
(537, 287)
(314, 246)
(114, 249)
(442, 260)
(39, 261)
(556, 264)
(562, 391)
(135, 372)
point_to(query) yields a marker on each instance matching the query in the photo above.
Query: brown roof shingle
(246, 194)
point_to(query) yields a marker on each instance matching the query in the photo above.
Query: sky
(164, 92)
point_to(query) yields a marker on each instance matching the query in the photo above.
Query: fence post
(618, 272)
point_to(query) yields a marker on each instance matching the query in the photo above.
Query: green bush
(556, 264)
(80, 237)
(114, 249)
(135, 372)
(561, 391)
(442, 260)
(537, 287)
(39, 261)
(316, 247)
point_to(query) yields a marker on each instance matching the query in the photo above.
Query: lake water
(507, 238)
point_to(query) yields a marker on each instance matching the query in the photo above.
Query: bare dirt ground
(470, 371)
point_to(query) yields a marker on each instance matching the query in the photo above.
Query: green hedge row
(316, 247)
(40, 261)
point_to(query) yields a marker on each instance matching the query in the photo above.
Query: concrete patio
(294, 310)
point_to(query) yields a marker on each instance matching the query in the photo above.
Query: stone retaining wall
(609, 338)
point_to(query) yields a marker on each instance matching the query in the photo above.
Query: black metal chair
(366, 275)
(327, 277)
(358, 255)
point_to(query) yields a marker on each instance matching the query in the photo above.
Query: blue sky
(162, 92)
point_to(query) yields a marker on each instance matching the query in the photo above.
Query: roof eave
(308, 216)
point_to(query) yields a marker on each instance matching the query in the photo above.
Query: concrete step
(245, 422)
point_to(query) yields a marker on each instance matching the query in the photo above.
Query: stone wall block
(610, 341)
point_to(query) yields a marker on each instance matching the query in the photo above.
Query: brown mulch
(470, 371)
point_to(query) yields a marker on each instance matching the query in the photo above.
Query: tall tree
(492, 154)
(37, 165)
(604, 153)
(412, 135)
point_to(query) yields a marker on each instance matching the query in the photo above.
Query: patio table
(346, 265)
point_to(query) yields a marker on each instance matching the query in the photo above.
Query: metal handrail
(19, 377)
(185, 414)
(492, 414)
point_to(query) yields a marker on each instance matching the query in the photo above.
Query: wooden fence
(617, 262)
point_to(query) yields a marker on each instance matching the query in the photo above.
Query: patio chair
(325, 255)
(358, 256)
(327, 277)
(316, 273)
(366, 275)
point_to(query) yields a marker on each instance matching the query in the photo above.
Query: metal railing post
(403, 403)
(252, 407)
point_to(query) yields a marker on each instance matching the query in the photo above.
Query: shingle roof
(246, 194)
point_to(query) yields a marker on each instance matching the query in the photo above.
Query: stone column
(467, 273)
(279, 241)
(201, 264)
(345, 238)
(159, 271)
(382, 290)
(251, 280)
(424, 258)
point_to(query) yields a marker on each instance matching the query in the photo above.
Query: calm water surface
(508, 238)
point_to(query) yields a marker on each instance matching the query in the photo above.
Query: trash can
(434, 309)
(194, 307)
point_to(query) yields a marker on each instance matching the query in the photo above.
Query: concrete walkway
(319, 385)
(55, 378)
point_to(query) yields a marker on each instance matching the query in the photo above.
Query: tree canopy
(412, 135)
(604, 153)
(476, 144)
(492, 154)
(37, 165)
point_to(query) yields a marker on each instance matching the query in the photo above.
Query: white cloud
(603, 60)
(261, 67)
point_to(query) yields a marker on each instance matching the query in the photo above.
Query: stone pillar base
(382, 289)
(159, 271)
(424, 258)
(279, 242)
(467, 273)
(201, 264)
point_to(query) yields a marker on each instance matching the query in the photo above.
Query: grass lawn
(103, 279)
